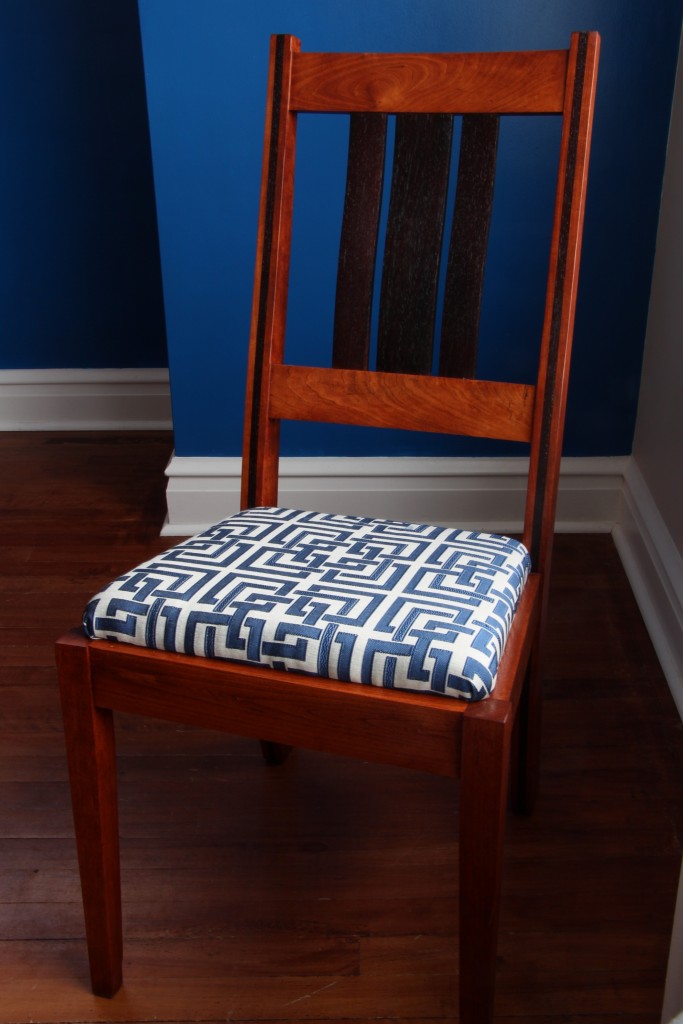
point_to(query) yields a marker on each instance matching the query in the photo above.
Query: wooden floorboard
(325, 889)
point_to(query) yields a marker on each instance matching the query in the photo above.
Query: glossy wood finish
(267, 337)
(92, 769)
(412, 253)
(326, 889)
(431, 83)
(553, 378)
(470, 741)
(445, 405)
(486, 742)
(400, 729)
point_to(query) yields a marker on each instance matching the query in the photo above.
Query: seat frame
(482, 744)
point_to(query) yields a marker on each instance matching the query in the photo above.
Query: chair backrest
(424, 92)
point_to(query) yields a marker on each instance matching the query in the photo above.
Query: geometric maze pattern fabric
(370, 601)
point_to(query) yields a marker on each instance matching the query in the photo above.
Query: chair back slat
(468, 245)
(412, 251)
(358, 245)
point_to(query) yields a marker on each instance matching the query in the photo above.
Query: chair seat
(404, 605)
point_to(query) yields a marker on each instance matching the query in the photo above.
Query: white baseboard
(483, 493)
(672, 1012)
(655, 570)
(130, 399)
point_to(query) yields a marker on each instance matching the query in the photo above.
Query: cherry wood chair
(482, 742)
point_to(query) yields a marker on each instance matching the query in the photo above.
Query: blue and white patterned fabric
(370, 601)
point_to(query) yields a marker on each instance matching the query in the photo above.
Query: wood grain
(412, 251)
(506, 83)
(408, 401)
(283, 707)
(558, 326)
(468, 245)
(271, 275)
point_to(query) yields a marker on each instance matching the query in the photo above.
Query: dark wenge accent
(358, 248)
(468, 244)
(413, 243)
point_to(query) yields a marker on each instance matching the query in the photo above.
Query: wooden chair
(476, 741)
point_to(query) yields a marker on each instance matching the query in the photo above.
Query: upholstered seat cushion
(371, 601)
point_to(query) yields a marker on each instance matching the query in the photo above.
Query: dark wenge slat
(358, 248)
(413, 243)
(468, 244)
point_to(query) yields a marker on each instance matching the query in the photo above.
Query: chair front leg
(89, 734)
(483, 801)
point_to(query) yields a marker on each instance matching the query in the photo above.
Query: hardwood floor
(322, 890)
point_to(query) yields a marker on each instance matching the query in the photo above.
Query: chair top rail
(485, 83)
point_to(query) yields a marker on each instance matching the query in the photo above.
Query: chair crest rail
(430, 83)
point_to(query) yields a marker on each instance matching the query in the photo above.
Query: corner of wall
(654, 567)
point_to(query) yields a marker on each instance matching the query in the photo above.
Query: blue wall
(80, 281)
(205, 66)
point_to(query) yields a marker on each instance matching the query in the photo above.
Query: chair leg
(527, 741)
(483, 801)
(89, 735)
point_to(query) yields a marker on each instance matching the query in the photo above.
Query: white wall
(658, 443)
(658, 458)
